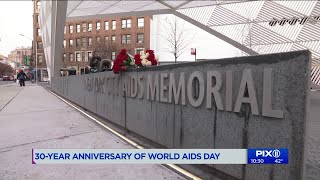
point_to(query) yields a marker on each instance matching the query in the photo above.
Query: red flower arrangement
(122, 62)
(146, 59)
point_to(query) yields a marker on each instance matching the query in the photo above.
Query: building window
(106, 39)
(89, 41)
(98, 26)
(40, 58)
(64, 56)
(64, 31)
(113, 38)
(106, 25)
(38, 18)
(71, 29)
(84, 42)
(126, 23)
(89, 54)
(64, 43)
(39, 45)
(113, 55)
(138, 50)
(78, 57)
(89, 27)
(39, 32)
(83, 56)
(78, 28)
(141, 22)
(70, 56)
(84, 27)
(98, 40)
(126, 39)
(140, 38)
(38, 5)
(113, 24)
(78, 42)
(70, 42)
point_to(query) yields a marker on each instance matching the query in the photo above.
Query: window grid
(71, 29)
(78, 28)
(140, 38)
(126, 23)
(70, 42)
(89, 41)
(141, 22)
(126, 39)
(84, 42)
(71, 57)
(113, 55)
(113, 38)
(78, 42)
(98, 26)
(106, 25)
(78, 57)
(113, 25)
(84, 27)
(89, 27)
(40, 58)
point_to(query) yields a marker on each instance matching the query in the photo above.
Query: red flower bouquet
(146, 59)
(122, 62)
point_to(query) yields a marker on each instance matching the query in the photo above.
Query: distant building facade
(104, 37)
(18, 55)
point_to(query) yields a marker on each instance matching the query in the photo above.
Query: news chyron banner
(160, 156)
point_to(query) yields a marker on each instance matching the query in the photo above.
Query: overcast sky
(15, 19)
(208, 46)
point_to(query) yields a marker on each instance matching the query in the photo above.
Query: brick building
(18, 55)
(104, 37)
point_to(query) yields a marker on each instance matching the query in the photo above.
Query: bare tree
(5, 69)
(104, 49)
(176, 36)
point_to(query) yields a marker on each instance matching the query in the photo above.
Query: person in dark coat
(21, 77)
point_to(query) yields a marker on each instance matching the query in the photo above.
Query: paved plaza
(31, 117)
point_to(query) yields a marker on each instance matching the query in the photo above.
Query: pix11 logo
(268, 153)
(268, 156)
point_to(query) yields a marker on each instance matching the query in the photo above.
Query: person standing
(21, 77)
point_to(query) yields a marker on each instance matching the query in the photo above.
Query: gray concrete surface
(186, 126)
(5, 82)
(315, 86)
(313, 146)
(31, 117)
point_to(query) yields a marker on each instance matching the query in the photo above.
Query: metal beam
(122, 14)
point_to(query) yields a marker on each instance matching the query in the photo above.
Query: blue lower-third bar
(268, 156)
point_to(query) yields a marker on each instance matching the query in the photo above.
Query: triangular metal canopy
(243, 24)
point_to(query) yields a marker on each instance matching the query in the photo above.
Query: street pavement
(31, 117)
(5, 82)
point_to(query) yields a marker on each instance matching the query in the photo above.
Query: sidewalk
(31, 117)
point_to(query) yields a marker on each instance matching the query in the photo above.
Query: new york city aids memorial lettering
(160, 83)
(246, 102)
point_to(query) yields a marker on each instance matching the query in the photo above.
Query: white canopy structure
(255, 27)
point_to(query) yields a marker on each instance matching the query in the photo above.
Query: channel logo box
(268, 156)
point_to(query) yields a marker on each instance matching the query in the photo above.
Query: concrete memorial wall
(239, 103)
